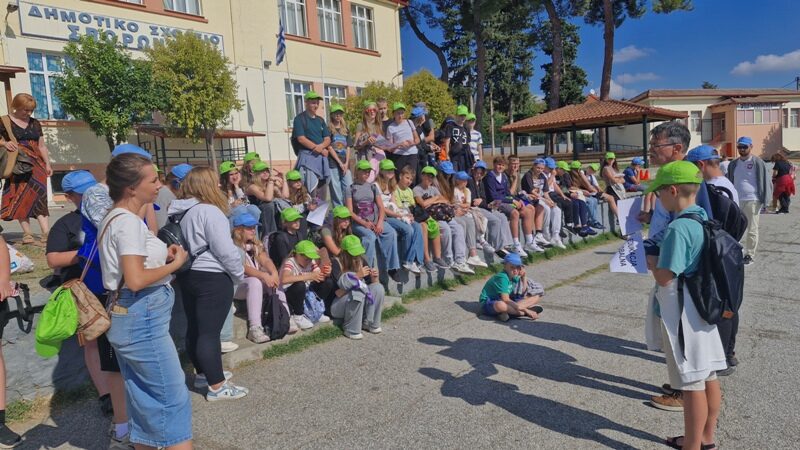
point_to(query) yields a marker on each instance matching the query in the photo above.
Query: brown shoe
(673, 402)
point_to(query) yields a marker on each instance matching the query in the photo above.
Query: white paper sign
(630, 258)
(317, 216)
(628, 211)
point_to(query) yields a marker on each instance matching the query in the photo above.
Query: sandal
(27, 239)
(673, 442)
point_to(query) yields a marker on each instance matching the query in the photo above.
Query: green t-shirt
(497, 285)
(404, 198)
(683, 243)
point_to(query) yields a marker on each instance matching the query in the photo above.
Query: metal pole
(491, 118)
(644, 142)
(266, 108)
(291, 90)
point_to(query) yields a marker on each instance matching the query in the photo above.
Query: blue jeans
(226, 335)
(411, 237)
(387, 241)
(158, 402)
(339, 184)
(593, 209)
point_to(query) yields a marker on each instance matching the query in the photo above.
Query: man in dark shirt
(311, 138)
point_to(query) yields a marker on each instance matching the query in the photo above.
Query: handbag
(313, 306)
(441, 211)
(13, 163)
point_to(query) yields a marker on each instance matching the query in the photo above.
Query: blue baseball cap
(78, 181)
(702, 153)
(637, 161)
(480, 165)
(447, 167)
(538, 161)
(418, 111)
(130, 148)
(181, 170)
(514, 259)
(744, 140)
(550, 163)
(462, 176)
(244, 219)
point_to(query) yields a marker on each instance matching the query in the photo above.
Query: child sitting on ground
(496, 297)
(692, 346)
(357, 302)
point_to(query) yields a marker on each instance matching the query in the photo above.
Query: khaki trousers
(751, 210)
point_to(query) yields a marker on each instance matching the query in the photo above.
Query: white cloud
(625, 78)
(630, 53)
(618, 91)
(769, 63)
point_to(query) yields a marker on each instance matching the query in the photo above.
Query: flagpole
(266, 109)
(322, 78)
(291, 89)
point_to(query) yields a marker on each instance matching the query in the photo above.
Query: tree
(612, 13)
(197, 87)
(573, 78)
(413, 13)
(423, 86)
(556, 11)
(709, 85)
(106, 88)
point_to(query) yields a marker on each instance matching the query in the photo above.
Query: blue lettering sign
(85, 18)
(34, 12)
(143, 42)
(110, 34)
(153, 30)
(119, 24)
(50, 13)
(92, 32)
(127, 39)
(133, 27)
(73, 32)
(68, 16)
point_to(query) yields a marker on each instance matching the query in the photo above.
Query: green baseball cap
(429, 170)
(676, 172)
(462, 110)
(335, 107)
(398, 105)
(59, 321)
(363, 164)
(595, 166)
(611, 155)
(293, 175)
(341, 212)
(575, 165)
(260, 166)
(307, 249)
(352, 245)
(471, 116)
(226, 167)
(387, 164)
(368, 103)
(251, 156)
(290, 215)
(562, 165)
(311, 95)
(433, 228)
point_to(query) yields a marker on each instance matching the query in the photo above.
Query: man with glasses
(749, 175)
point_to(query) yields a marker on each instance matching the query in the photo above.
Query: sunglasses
(372, 110)
(742, 147)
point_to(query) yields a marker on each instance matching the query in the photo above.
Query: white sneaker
(200, 381)
(293, 328)
(518, 249)
(532, 247)
(540, 240)
(324, 319)
(475, 261)
(256, 335)
(354, 337)
(228, 346)
(558, 243)
(463, 268)
(302, 322)
(373, 330)
(411, 266)
(228, 391)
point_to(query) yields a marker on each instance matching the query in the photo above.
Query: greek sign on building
(65, 24)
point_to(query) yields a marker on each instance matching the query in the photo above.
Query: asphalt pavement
(441, 376)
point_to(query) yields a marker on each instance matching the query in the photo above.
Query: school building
(719, 116)
(333, 47)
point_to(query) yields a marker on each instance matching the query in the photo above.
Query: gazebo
(595, 114)
(6, 74)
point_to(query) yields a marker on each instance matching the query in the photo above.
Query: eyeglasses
(660, 145)
(742, 147)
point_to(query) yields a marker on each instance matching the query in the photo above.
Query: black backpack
(276, 317)
(726, 211)
(171, 233)
(717, 286)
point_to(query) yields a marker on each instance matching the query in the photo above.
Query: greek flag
(281, 53)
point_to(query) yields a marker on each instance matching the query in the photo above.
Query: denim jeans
(411, 245)
(387, 241)
(593, 210)
(158, 402)
(339, 184)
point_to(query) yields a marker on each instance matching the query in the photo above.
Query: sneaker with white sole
(228, 346)
(411, 266)
(256, 335)
(354, 337)
(463, 268)
(441, 263)
(540, 240)
(533, 248)
(373, 330)
(200, 381)
(324, 319)
(518, 249)
(302, 322)
(227, 391)
(475, 261)
(487, 247)
(430, 266)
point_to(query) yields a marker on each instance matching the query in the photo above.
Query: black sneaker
(727, 371)
(8, 439)
(105, 405)
(537, 309)
(748, 260)
(732, 361)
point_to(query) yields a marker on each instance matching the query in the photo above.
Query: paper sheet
(317, 216)
(627, 211)
(630, 258)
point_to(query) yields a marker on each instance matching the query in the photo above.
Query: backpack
(276, 317)
(296, 145)
(717, 286)
(726, 211)
(171, 233)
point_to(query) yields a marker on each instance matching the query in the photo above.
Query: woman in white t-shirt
(160, 410)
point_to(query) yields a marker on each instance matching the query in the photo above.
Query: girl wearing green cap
(359, 297)
(368, 133)
(230, 181)
(402, 134)
(269, 194)
(410, 232)
(300, 274)
(610, 173)
(406, 205)
(339, 155)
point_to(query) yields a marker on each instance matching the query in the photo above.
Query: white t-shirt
(726, 183)
(724, 166)
(128, 235)
(403, 131)
(475, 139)
(745, 179)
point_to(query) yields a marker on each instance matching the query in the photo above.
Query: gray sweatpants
(468, 224)
(498, 231)
(552, 221)
(356, 311)
(454, 241)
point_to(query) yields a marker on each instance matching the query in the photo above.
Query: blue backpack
(313, 306)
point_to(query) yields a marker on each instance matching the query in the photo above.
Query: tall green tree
(106, 88)
(709, 85)
(196, 85)
(423, 86)
(415, 13)
(558, 12)
(573, 78)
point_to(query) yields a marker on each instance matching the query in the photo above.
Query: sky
(731, 43)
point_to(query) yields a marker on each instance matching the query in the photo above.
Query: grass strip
(26, 409)
(301, 343)
(588, 273)
(396, 310)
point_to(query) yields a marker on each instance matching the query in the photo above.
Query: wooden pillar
(608, 141)
(644, 142)
(7, 85)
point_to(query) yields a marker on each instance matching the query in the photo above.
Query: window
(363, 27)
(695, 121)
(329, 13)
(294, 98)
(293, 15)
(44, 69)
(183, 6)
(359, 91)
(138, 2)
(790, 118)
(334, 92)
(757, 113)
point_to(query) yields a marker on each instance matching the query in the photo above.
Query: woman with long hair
(581, 182)
(250, 159)
(207, 287)
(570, 189)
(339, 155)
(358, 302)
(409, 231)
(368, 133)
(268, 193)
(609, 172)
(138, 266)
(25, 195)
(230, 181)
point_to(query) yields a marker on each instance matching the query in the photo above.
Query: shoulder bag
(13, 163)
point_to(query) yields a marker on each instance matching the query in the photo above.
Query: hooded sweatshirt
(206, 225)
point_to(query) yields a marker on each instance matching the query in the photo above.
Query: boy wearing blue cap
(631, 176)
(708, 161)
(495, 298)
